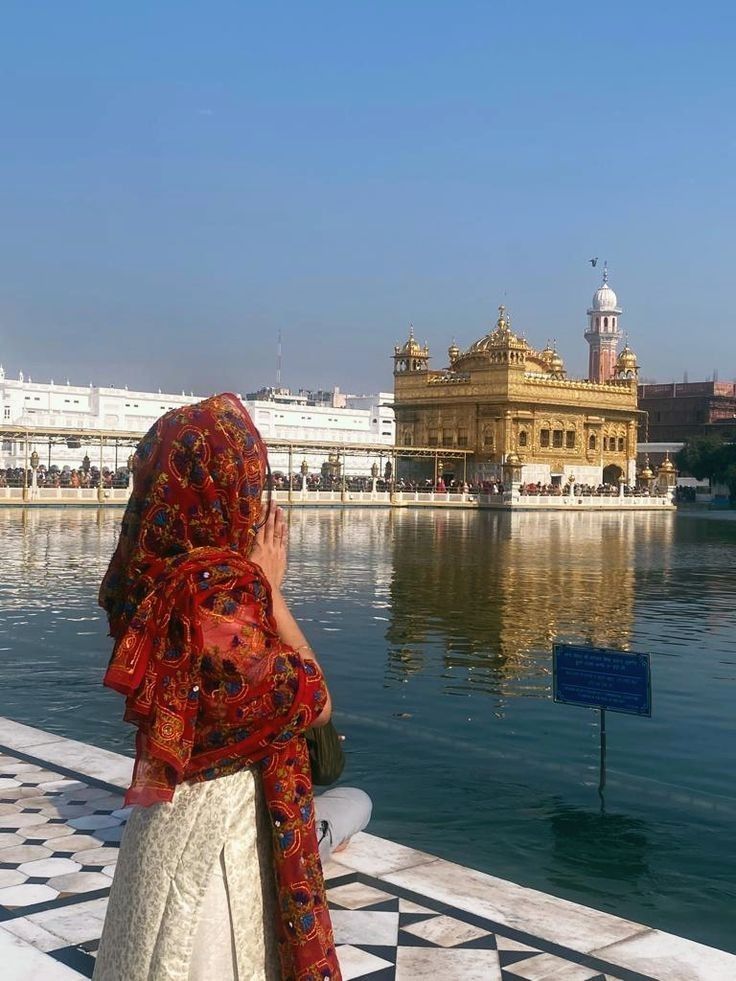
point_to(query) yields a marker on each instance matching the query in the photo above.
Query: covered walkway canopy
(33, 437)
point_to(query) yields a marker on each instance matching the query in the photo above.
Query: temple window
(557, 438)
(620, 444)
(432, 439)
(570, 439)
(462, 437)
(591, 441)
(605, 323)
(544, 437)
(488, 438)
(447, 438)
(522, 438)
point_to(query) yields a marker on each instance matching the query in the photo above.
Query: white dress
(193, 898)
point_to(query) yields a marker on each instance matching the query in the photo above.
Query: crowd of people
(54, 476)
(582, 490)
(354, 483)
(89, 477)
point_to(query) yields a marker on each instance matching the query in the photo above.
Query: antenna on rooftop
(278, 362)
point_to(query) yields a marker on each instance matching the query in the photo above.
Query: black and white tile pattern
(59, 835)
(385, 932)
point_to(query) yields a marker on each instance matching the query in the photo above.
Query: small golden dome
(411, 349)
(453, 352)
(646, 473)
(547, 354)
(556, 364)
(666, 466)
(627, 360)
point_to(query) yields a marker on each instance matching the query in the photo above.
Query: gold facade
(502, 396)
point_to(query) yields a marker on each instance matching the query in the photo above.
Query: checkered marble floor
(397, 913)
(59, 837)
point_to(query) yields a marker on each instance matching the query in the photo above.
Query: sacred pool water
(435, 629)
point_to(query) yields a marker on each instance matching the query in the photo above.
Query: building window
(598, 322)
(605, 443)
(488, 439)
(591, 442)
(462, 438)
(570, 439)
(6, 412)
(557, 438)
(620, 444)
(407, 438)
(432, 439)
(447, 438)
(7, 446)
(544, 437)
(605, 323)
(523, 438)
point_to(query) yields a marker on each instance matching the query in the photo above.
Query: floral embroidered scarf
(208, 683)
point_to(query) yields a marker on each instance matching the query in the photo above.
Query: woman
(218, 876)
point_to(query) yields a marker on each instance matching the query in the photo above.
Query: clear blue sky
(180, 180)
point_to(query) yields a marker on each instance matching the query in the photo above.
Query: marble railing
(50, 496)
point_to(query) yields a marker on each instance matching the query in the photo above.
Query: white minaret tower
(603, 332)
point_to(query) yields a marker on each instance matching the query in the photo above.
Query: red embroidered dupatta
(208, 683)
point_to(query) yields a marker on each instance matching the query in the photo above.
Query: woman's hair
(198, 480)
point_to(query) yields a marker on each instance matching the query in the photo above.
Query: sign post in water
(602, 678)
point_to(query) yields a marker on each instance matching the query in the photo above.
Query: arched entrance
(611, 474)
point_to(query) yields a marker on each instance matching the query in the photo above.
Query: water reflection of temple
(489, 594)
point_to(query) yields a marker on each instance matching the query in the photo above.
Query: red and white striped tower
(603, 332)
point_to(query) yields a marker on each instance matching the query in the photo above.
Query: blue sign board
(602, 678)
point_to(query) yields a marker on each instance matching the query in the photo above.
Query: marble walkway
(397, 913)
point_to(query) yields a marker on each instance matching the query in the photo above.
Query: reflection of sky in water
(435, 630)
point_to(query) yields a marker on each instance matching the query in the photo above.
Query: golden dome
(500, 337)
(453, 352)
(666, 466)
(547, 354)
(646, 473)
(411, 356)
(556, 365)
(412, 347)
(627, 360)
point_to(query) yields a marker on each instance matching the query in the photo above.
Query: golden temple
(510, 403)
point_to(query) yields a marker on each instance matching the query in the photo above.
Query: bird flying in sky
(593, 262)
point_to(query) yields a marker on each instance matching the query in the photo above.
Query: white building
(351, 419)
(367, 419)
(48, 405)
